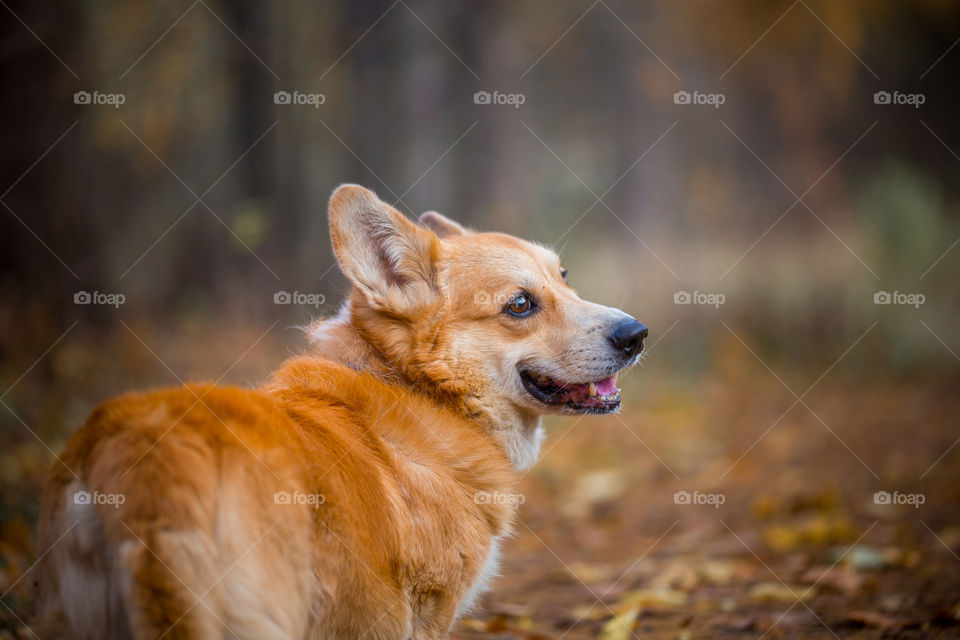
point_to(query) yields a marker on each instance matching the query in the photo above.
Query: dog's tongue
(581, 392)
(607, 386)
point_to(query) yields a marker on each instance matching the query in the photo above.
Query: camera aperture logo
(299, 98)
(98, 297)
(512, 99)
(299, 497)
(897, 297)
(86, 497)
(897, 498)
(486, 297)
(698, 297)
(699, 98)
(897, 98)
(315, 300)
(96, 98)
(712, 499)
(496, 497)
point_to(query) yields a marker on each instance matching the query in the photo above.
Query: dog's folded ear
(389, 258)
(441, 224)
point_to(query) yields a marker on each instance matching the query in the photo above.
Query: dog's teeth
(592, 390)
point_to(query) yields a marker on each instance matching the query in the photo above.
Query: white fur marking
(490, 570)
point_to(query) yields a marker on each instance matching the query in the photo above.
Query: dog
(363, 490)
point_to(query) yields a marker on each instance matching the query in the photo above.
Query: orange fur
(388, 437)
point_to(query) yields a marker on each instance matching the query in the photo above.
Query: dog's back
(278, 513)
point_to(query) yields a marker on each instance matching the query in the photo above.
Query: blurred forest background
(197, 192)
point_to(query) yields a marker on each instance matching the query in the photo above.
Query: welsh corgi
(363, 491)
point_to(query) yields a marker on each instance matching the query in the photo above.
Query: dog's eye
(563, 274)
(520, 306)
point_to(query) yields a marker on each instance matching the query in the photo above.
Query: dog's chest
(455, 558)
(448, 588)
(481, 584)
(454, 555)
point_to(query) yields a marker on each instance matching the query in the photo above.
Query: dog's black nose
(627, 337)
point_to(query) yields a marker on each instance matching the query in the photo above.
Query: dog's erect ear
(386, 256)
(441, 224)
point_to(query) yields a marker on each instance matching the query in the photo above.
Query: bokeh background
(187, 193)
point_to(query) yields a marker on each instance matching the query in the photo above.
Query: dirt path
(781, 538)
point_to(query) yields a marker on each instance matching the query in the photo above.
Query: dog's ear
(441, 224)
(386, 256)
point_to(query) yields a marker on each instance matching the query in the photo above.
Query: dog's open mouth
(600, 396)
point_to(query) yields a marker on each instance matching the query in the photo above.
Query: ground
(799, 547)
(782, 535)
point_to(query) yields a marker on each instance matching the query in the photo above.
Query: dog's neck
(516, 430)
(339, 339)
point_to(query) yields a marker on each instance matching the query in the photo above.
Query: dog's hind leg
(171, 585)
(124, 590)
(78, 596)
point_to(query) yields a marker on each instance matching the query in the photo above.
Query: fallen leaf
(875, 619)
(843, 579)
(716, 571)
(782, 538)
(950, 536)
(620, 626)
(776, 592)
(822, 500)
(820, 529)
(589, 612)
(657, 597)
(735, 623)
(474, 624)
(764, 506)
(679, 574)
(497, 624)
(589, 573)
